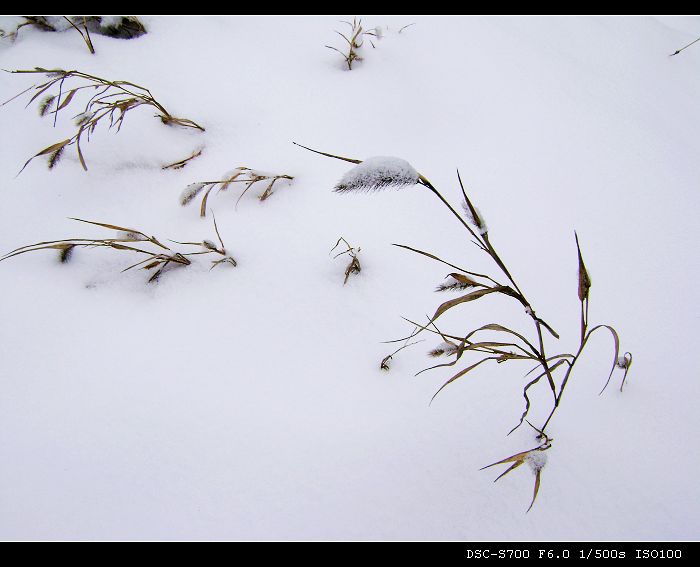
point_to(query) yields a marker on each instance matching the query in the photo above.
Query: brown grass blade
(50, 149)
(537, 489)
(460, 374)
(465, 298)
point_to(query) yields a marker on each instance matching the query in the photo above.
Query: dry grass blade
(469, 297)
(53, 149)
(616, 340)
(536, 458)
(460, 374)
(434, 257)
(109, 104)
(245, 175)
(350, 160)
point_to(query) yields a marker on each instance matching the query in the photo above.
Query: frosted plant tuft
(378, 173)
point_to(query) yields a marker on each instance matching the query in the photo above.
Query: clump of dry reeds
(109, 103)
(244, 175)
(354, 40)
(122, 27)
(354, 266)
(493, 342)
(155, 255)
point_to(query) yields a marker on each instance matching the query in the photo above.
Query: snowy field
(247, 402)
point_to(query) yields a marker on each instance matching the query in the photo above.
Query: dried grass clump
(156, 256)
(109, 103)
(353, 266)
(496, 342)
(354, 40)
(248, 177)
(121, 27)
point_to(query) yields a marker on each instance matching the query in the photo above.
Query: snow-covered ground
(247, 402)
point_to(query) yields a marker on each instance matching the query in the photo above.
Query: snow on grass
(376, 173)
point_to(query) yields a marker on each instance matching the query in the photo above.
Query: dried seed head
(456, 282)
(190, 192)
(65, 253)
(475, 217)
(378, 173)
(446, 349)
(584, 280)
(209, 245)
(83, 118)
(130, 236)
(55, 157)
(46, 104)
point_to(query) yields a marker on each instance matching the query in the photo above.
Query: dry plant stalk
(180, 164)
(354, 40)
(84, 33)
(684, 47)
(110, 103)
(353, 266)
(156, 255)
(384, 364)
(244, 175)
(509, 345)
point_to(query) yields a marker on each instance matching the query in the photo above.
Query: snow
(536, 460)
(248, 403)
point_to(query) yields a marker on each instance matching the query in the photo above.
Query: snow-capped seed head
(379, 32)
(456, 282)
(378, 173)
(130, 236)
(623, 362)
(209, 245)
(190, 192)
(476, 218)
(536, 460)
(445, 348)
